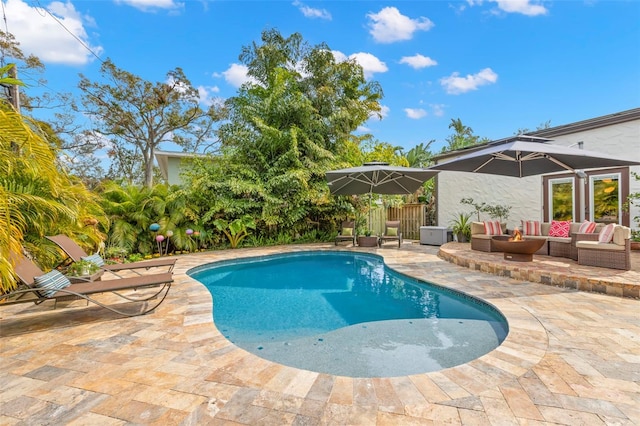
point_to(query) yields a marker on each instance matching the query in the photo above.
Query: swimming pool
(346, 313)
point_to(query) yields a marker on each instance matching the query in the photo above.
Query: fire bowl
(521, 251)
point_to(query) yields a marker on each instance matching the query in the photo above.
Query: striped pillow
(492, 227)
(587, 227)
(606, 233)
(53, 281)
(95, 259)
(531, 227)
(559, 228)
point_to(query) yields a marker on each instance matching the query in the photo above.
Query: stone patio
(571, 357)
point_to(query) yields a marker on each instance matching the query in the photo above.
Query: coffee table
(519, 251)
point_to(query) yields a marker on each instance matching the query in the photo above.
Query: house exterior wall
(525, 194)
(174, 167)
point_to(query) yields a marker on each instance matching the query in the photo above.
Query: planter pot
(635, 245)
(364, 241)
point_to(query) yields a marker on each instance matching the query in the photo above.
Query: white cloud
(150, 5)
(525, 7)
(437, 109)
(415, 113)
(39, 34)
(455, 85)
(311, 12)
(418, 61)
(370, 64)
(236, 75)
(379, 115)
(389, 25)
(205, 94)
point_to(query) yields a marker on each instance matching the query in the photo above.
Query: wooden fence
(411, 217)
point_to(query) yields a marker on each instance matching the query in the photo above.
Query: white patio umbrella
(377, 177)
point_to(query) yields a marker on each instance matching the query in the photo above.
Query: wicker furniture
(386, 237)
(352, 237)
(615, 254)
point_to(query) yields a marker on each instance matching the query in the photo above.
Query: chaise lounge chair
(347, 232)
(38, 287)
(391, 233)
(76, 253)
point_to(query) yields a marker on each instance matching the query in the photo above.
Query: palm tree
(36, 197)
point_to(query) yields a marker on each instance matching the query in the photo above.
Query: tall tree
(462, 138)
(286, 128)
(138, 115)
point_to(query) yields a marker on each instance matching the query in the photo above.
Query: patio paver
(571, 357)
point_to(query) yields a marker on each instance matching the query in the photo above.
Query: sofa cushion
(606, 234)
(620, 234)
(492, 227)
(559, 228)
(531, 227)
(560, 239)
(477, 228)
(594, 245)
(587, 227)
(544, 228)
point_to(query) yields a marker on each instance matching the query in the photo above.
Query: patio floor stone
(571, 356)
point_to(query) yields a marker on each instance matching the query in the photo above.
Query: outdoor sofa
(554, 246)
(616, 253)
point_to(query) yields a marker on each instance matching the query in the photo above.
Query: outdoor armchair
(615, 253)
(391, 233)
(37, 287)
(76, 253)
(347, 232)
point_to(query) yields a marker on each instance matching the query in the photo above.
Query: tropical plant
(36, 197)
(461, 227)
(287, 126)
(236, 230)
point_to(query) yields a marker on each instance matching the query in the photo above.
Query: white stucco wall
(525, 194)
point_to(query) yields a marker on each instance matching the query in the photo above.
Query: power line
(67, 30)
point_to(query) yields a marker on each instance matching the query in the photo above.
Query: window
(561, 198)
(605, 198)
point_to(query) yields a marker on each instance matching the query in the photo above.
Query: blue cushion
(95, 259)
(51, 282)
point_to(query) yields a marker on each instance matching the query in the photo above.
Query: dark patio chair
(347, 232)
(391, 233)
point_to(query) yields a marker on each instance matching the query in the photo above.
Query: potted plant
(500, 212)
(461, 227)
(82, 268)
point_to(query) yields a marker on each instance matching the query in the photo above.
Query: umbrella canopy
(519, 159)
(377, 177)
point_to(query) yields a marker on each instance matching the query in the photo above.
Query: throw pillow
(492, 227)
(587, 227)
(606, 233)
(95, 259)
(347, 232)
(559, 228)
(51, 282)
(392, 232)
(531, 227)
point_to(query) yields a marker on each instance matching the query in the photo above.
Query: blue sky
(498, 65)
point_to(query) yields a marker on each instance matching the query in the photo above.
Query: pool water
(346, 313)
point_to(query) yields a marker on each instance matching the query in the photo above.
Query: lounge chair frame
(76, 253)
(26, 271)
